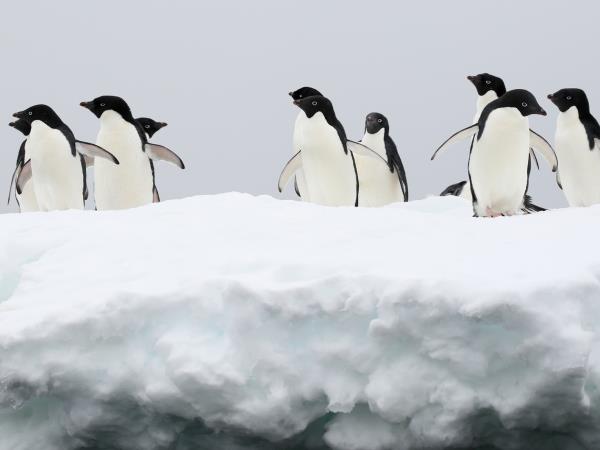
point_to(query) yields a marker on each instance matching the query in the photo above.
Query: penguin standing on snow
(380, 184)
(57, 168)
(131, 184)
(577, 143)
(150, 127)
(26, 199)
(299, 182)
(499, 157)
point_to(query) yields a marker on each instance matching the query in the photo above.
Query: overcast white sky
(219, 72)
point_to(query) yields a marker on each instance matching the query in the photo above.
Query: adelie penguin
(150, 127)
(499, 157)
(380, 184)
(325, 155)
(489, 88)
(26, 199)
(577, 143)
(299, 182)
(56, 168)
(131, 184)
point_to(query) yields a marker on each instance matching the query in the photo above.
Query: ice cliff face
(238, 322)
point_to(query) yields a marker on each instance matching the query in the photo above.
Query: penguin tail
(529, 207)
(454, 189)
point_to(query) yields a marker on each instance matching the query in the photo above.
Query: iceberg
(240, 322)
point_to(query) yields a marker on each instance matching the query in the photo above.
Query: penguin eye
(488, 82)
(31, 113)
(314, 103)
(147, 126)
(299, 95)
(102, 105)
(569, 97)
(379, 120)
(524, 104)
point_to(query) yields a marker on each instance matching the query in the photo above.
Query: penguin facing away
(299, 182)
(131, 184)
(577, 143)
(26, 199)
(499, 157)
(56, 167)
(380, 184)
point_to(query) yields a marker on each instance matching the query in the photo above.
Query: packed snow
(242, 322)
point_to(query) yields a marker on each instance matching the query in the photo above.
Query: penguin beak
(291, 93)
(296, 102)
(11, 124)
(18, 115)
(472, 78)
(550, 96)
(542, 112)
(162, 124)
(87, 105)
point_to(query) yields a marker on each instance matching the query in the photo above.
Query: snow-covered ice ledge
(232, 321)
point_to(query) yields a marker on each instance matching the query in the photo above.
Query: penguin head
(522, 100)
(22, 126)
(304, 92)
(43, 113)
(375, 122)
(484, 83)
(150, 126)
(100, 105)
(314, 104)
(565, 99)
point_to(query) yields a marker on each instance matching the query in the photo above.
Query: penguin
(380, 184)
(499, 156)
(577, 143)
(150, 127)
(326, 156)
(299, 182)
(26, 199)
(56, 168)
(130, 184)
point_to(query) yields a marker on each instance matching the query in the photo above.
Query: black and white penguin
(380, 184)
(577, 142)
(150, 127)
(56, 168)
(131, 184)
(26, 199)
(499, 157)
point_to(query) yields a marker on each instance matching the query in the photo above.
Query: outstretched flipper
(24, 176)
(533, 156)
(454, 189)
(18, 166)
(94, 151)
(292, 166)
(361, 149)
(461, 135)
(160, 152)
(89, 161)
(541, 145)
(155, 195)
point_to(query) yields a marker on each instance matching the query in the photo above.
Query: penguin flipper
(542, 146)
(463, 134)
(155, 195)
(94, 151)
(361, 149)
(292, 166)
(529, 207)
(296, 187)
(454, 189)
(558, 181)
(24, 176)
(533, 156)
(89, 161)
(160, 152)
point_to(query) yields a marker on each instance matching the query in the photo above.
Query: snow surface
(241, 322)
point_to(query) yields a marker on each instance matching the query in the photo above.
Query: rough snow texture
(238, 322)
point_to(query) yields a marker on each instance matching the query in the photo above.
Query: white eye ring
(488, 82)
(299, 95)
(569, 97)
(31, 113)
(379, 120)
(147, 126)
(314, 103)
(102, 105)
(524, 105)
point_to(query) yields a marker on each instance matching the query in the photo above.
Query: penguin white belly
(579, 168)
(300, 181)
(27, 199)
(328, 171)
(128, 184)
(57, 175)
(378, 186)
(498, 163)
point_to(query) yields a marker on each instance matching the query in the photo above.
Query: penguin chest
(378, 185)
(128, 184)
(328, 171)
(579, 168)
(57, 175)
(498, 162)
